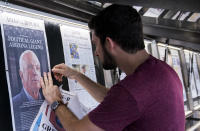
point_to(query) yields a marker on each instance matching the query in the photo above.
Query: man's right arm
(96, 90)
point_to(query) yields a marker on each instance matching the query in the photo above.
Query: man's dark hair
(122, 24)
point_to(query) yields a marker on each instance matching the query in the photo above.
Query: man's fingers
(46, 79)
(60, 96)
(57, 89)
(62, 65)
(60, 68)
(58, 77)
(50, 79)
(43, 92)
(42, 83)
(58, 71)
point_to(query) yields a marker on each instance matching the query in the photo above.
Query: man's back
(149, 99)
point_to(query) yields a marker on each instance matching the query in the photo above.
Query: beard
(108, 60)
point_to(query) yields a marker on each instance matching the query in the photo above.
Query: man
(30, 75)
(148, 98)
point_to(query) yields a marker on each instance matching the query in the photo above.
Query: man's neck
(32, 95)
(130, 62)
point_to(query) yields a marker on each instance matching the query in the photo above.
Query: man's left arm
(68, 120)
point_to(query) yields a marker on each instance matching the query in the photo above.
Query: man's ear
(110, 44)
(21, 75)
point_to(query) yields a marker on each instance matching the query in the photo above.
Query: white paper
(185, 108)
(66, 95)
(45, 119)
(192, 81)
(193, 86)
(196, 73)
(161, 50)
(78, 55)
(75, 106)
(122, 76)
(176, 15)
(194, 17)
(147, 46)
(154, 49)
(184, 15)
(138, 8)
(177, 67)
(153, 12)
(42, 120)
(73, 103)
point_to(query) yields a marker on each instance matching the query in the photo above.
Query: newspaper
(26, 57)
(78, 55)
(46, 120)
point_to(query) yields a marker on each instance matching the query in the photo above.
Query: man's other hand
(61, 70)
(50, 91)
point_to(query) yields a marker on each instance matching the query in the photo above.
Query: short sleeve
(118, 110)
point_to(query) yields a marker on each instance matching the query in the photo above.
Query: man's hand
(50, 91)
(61, 70)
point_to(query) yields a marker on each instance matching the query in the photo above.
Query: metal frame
(184, 5)
(181, 33)
(77, 10)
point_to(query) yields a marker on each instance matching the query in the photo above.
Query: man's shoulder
(148, 73)
(19, 97)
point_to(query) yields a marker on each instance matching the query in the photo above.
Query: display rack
(174, 25)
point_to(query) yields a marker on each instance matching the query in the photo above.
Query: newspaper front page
(26, 57)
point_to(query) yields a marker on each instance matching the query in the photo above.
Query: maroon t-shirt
(150, 99)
